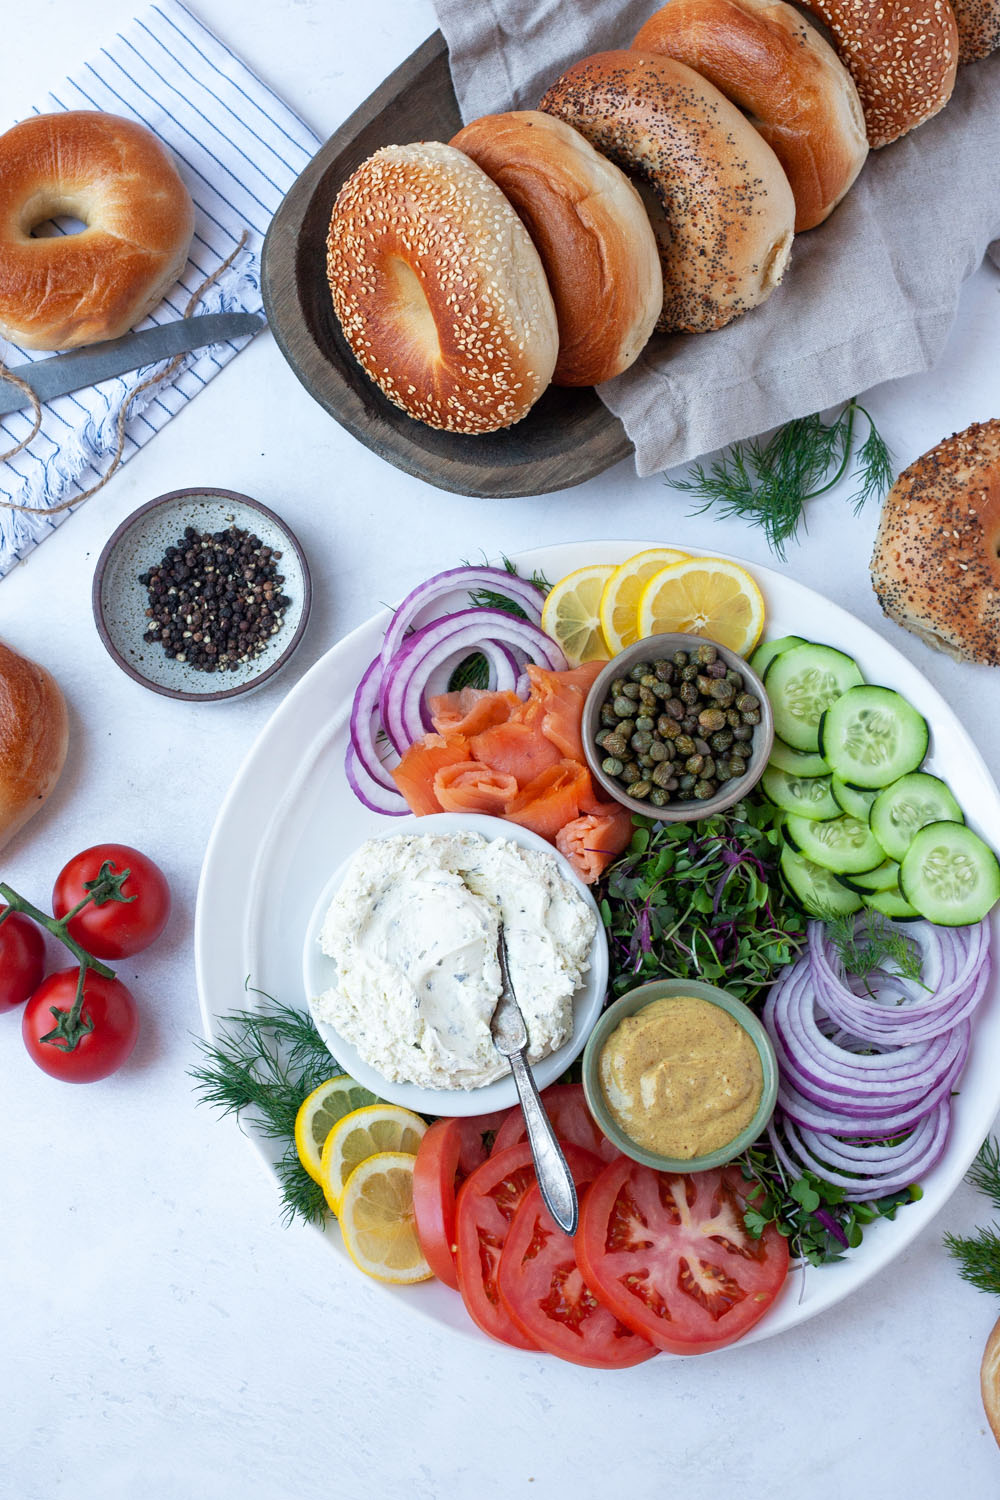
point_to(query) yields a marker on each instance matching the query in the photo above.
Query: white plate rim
(814, 1290)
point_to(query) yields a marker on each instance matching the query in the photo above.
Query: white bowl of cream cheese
(417, 937)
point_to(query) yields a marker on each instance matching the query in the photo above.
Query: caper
(695, 763)
(664, 670)
(686, 783)
(721, 739)
(704, 685)
(647, 700)
(737, 765)
(601, 736)
(658, 751)
(646, 761)
(708, 769)
(723, 770)
(631, 772)
(644, 722)
(659, 797)
(688, 693)
(734, 678)
(616, 687)
(751, 716)
(630, 690)
(743, 731)
(626, 727)
(704, 789)
(721, 692)
(638, 672)
(706, 654)
(733, 718)
(717, 669)
(640, 789)
(746, 702)
(615, 744)
(663, 775)
(641, 740)
(689, 673)
(680, 659)
(612, 766)
(700, 745)
(689, 724)
(662, 690)
(608, 715)
(622, 707)
(648, 678)
(675, 708)
(685, 744)
(712, 719)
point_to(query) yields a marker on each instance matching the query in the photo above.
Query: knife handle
(554, 1176)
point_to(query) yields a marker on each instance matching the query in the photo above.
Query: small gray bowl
(120, 600)
(654, 648)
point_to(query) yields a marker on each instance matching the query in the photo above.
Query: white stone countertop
(161, 1335)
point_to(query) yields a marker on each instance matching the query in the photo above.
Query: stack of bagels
(654, 187)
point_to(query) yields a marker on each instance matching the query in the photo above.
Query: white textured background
(160, 1334)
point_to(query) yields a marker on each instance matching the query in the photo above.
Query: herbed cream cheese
(413, 932)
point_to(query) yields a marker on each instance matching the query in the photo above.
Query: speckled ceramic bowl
(629, 1005)
(120, 600)
(653, 648)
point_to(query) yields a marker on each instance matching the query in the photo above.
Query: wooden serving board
(567, 437)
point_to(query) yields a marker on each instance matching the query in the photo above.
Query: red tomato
(22, 959)
(106, 1002)
(486, 1204)
(115, 929)
(566, 1106)
(434, 1196)
(670, 1256)
(545, 1294)
(449, 1151)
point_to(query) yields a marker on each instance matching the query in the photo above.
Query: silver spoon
(510, 1038)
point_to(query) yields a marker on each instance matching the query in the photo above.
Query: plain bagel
(34, 733)
(439, 291)
(936, 568)
(774, 66)
(727, 210)
(590, 228)
(902, 54)
(116, 177)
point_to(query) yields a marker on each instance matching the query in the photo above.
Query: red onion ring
(374, 796)
(497, 580)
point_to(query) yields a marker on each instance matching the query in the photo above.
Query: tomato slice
(478, 1137)
(544, 1291)
(671, 1257)
(566, 1106)
(434, 1196)
(486, 1204)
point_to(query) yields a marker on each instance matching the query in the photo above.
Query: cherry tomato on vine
(22, 959)
(107, 1004)
(113, 929)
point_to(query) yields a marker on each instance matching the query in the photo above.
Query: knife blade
(62, 373)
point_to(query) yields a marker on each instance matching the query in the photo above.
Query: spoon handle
(554, 1176)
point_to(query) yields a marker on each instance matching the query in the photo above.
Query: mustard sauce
(681, 1077)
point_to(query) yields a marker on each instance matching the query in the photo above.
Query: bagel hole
(411, 308)
(48, 229)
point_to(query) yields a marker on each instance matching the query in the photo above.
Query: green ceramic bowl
(636, 1000)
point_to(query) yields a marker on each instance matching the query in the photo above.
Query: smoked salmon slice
(518, 747)
(471, 710)
(592, 841)
(562, 696)
(551, 800)
(469, 787)
(420, 764)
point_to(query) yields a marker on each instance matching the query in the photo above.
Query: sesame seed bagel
(936, 568)
(439, 290)
(774, 66)
(588, 225)
(978, 24)
(114, 175)
(723, 211)
(902, 54)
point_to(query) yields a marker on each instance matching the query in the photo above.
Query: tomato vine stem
(70, 1025)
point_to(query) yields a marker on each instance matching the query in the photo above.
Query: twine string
(123, 410)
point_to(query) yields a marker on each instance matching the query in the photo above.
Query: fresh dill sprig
(875, 946)
(978, 1255)
(474, 670)
(266, 1062)
(768, 482)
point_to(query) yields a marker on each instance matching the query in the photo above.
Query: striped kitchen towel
(239, 149)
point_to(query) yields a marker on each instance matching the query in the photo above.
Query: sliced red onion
(495, 634)
(376, 797)
(365, 727)
(497, 580)
(864, 1170)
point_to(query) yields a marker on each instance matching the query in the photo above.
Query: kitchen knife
(80, 367)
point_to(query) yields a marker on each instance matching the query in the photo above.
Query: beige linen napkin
(869, 296)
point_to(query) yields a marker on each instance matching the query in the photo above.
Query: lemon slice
(704, 596)
(363, 1133)
(319, 1113)
(571, 613)
(620, 599)
(377, 1222)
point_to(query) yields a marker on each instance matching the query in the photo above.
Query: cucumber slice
(768, 650)
(797, 762)
(844, 845)
(809, 796)
(801, 684)
(891, 903)
(852, 799)
(950, 875)
(882, 878)
(819, 893)
(906, 806)
(871, 737)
